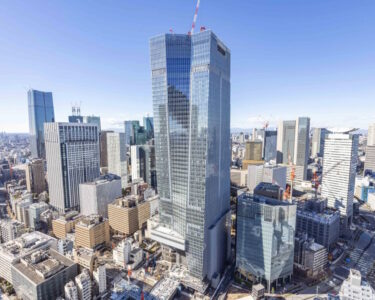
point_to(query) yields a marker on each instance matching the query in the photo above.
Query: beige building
(35, 177)
(65, 224)
(127, 215)
(91, 232)
(254, 150)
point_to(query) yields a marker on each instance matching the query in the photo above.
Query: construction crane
(316, 183)
(288, 194)
(195, 18)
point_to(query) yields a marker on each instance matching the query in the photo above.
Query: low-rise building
(64, 246)
(42, 275)
(71, 291)
(11, 229)
(12, 251)
(65, 224)
(121, 254)
(355, 288)
(238, 177)
(100, 278)
(84, 286)
(86, 258)
(318, 222)
(309, 257)
(92, 232)
(35, 210)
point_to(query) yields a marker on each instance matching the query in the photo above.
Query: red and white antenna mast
(195, 18)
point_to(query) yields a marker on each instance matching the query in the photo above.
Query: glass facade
(40, 111)
(191, 102)
(302, 143)
(148, 124)
(265, 237)
(270, 142)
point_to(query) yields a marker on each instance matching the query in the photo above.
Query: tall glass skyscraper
(191, 102)
(40, 111)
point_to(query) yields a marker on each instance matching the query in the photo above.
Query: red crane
(195, 18)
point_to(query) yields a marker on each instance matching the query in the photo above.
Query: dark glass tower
(191, 102)
(40, 111)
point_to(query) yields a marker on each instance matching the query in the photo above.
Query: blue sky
(289, 57)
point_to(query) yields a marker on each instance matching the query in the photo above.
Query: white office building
(354, 288)
(134, 157)
(121, 254)
(339, 172)
(11, 229)
(72, 151)
(371, 135)
(96, 195)
(84, 286)
(266, 173)
(100, 278)
(116, 153)
(71, 291)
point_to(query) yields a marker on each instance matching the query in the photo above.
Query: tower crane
(195, 18)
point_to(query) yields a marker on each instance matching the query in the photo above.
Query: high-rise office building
(116, 153)
(35, 177)
(254, 150)
(265, 238)
(40, 112)
(148, 124)
(339, 171)
(191, 101)
(93, 120)
(370, 158)
(371, 135)
(72, 158)
(317, 143)
(269, 145)
(130, 128)
(103, 149)
(143, 164)
(293, 143)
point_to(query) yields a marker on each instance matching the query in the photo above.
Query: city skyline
(287, 54)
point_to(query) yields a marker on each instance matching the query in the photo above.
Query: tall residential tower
(191, 101)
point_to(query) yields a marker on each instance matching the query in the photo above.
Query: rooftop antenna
(195, 18)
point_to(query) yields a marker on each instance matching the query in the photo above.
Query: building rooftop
(42, 264)
(91, 221)
(25, 244)
(69, 216)
(262, 200)
(103, 179)
(165, 288)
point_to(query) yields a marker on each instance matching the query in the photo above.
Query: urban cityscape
(185, 202)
